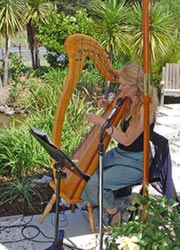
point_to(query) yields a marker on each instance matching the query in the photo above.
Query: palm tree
(162, 27)
(36, 12)
(11, 22)
(110, 18)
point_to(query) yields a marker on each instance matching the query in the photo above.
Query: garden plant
(155, 226)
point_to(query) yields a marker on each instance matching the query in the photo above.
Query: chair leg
(48, 208)
(91, 217)
(73, 207)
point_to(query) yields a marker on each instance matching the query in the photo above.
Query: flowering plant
(126, 243)
(156, 227)
(61, 58)
(56, 60)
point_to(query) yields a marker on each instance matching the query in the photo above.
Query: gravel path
(168, 125)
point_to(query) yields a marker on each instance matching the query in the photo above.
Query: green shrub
(156, 227)
(16, 66)
(19, 153)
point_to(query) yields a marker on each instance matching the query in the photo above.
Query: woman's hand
(95, 119)
(103, 103)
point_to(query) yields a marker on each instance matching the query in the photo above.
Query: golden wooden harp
(78, 47)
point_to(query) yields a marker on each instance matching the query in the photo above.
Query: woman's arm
(125, 138)
(132, 133)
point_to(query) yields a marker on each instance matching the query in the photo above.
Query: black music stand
(61, 161)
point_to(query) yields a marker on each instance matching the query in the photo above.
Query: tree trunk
(32, 56)
(31, 41)
(5, 63)
(0, 82)
(37, 59)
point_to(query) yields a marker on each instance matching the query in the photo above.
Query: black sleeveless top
(138, 144)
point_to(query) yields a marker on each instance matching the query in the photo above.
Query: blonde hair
(134, 75)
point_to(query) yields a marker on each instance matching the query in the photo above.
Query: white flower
(125, 243)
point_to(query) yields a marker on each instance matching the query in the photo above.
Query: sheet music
(57, 154)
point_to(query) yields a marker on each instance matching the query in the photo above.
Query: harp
(78, 47)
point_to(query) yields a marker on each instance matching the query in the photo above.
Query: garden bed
(16, 207)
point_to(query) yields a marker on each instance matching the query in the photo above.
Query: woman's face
(126, 89)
